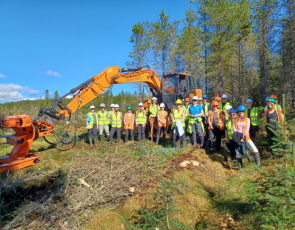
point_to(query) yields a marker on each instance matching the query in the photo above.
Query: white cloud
(52, 73)
(14, 92)
(2, 75)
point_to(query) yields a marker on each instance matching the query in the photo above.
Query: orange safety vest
(279, 116)
(219, 117)
(129, 121)
(247, 135)
(163, 118)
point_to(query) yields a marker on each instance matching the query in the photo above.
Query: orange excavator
(27, 130)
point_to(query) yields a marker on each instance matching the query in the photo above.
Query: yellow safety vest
(222, 108)
(90, 123)
(178, 115)
(140, 117)
(253, 116)
(206, 110)
(103, 118)
(186, 110)
(116, 120)
(230, 130)
(153, 110)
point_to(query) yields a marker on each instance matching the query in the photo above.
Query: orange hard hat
(149, 102)
(187, 99)
(218, 99)
(275, 96)
(214, 103)
(216, 95)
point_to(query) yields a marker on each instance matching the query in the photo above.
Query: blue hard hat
(249, 101)
(205, 96)
(266, 99)
(224, 96)
(232, 110)
(241, 108)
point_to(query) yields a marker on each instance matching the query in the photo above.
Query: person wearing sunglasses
(179, 116)
(229, 131)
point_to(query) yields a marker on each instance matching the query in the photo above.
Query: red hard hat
(216, 95)
(187, 99)
(214, 103)
(218, 99)
(274, 95)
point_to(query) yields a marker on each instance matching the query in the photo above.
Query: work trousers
(253, 131)
(115, 133)
(153, 124)
(186, 125)
(141, 132)
(177, 138)
(118, 131)
(231, 148)
(162, 129)
(197, 128)
(206, 126)
(241, 149)
(127, 131)
(93, 132)
(104, 128)
(217, 133)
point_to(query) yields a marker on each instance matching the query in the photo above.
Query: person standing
(140, 121)
(92, 125)
(162, 123)
(253, 115)
(206, 107)
(229, 131)
(186, 107)
(178, 121)
(216, 125)
(226, 115)
(103, 122)
(195, 113)
(216, 95)
(116, 121)
(153, 109)
(129, 120)
(110, 114)
(170, 121)
(223, 104)
(147, 126)
(274, 117)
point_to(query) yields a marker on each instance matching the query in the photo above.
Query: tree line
(242, 48)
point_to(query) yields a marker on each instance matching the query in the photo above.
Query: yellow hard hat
(179, 101)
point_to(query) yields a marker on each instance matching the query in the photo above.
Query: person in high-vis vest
(162, 123)
(178, 118)
(170, 121)
(147, 126)
(153, 110)
(103, 122)
(216, 125)
(140, 121)
(253, 114)
(226, 115)
(229, 131)
(116, 122)
(129, 119)
(186, 107)
(206, 107)
(195, 113)
(279, 107)
(92, 125)
(274, 117)
(219, 100)
(110, 114)
(224, 103)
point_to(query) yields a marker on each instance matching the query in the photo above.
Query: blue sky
(57, 45)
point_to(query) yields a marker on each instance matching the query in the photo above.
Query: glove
(264, 133)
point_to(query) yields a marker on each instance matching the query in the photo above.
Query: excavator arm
(28, 130)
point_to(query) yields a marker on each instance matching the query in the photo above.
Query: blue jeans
(242, 148)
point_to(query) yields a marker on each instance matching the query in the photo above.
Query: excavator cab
(178, 86)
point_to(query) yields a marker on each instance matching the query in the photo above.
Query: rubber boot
(178, 144)
(101, 138)
(157, 141)
(163, 140)
(95, 142)
(184, 144)
(108, 138)
(195, 144)
(257, 159)
(240, 163)
(250, 158)
(90, 141)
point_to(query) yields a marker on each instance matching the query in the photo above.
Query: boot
(101, 138)
(240, 162)
(108, 138)
(195, 144)
(163, 140)
(95, 142)
(257, 159)
(157, 141)
(184, 144)
(90, 141)
(178, 144)
(250, 158)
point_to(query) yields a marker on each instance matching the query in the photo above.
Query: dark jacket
(237, 137)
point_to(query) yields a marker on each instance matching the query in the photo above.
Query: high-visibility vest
(163, 118)
(186, 111)
(103, 118)
(154, 110)
(90, 123)
(171, 119)
(140, 117)
(253, 116)
(178, 115)
(230, 130)
(219, 118)
(206, 110)
(247, 135)
(191, 121)
(278, 113)
(116, 120)
(222, 108)
(278, 107)
(129, 121)
(109, 115)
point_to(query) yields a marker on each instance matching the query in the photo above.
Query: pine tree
(47, 95)
(56, 95)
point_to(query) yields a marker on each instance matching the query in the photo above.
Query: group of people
(186, 119)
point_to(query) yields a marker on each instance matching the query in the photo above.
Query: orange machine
(174, 86)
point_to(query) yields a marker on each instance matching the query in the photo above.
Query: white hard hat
(92, 107)
(140, 104)
(154, 99)
(162, 105)
(117, 106)
(228, 107)
(195, 98)
(224, 96)
(102, 105)
(200, 99)
(112, 105)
